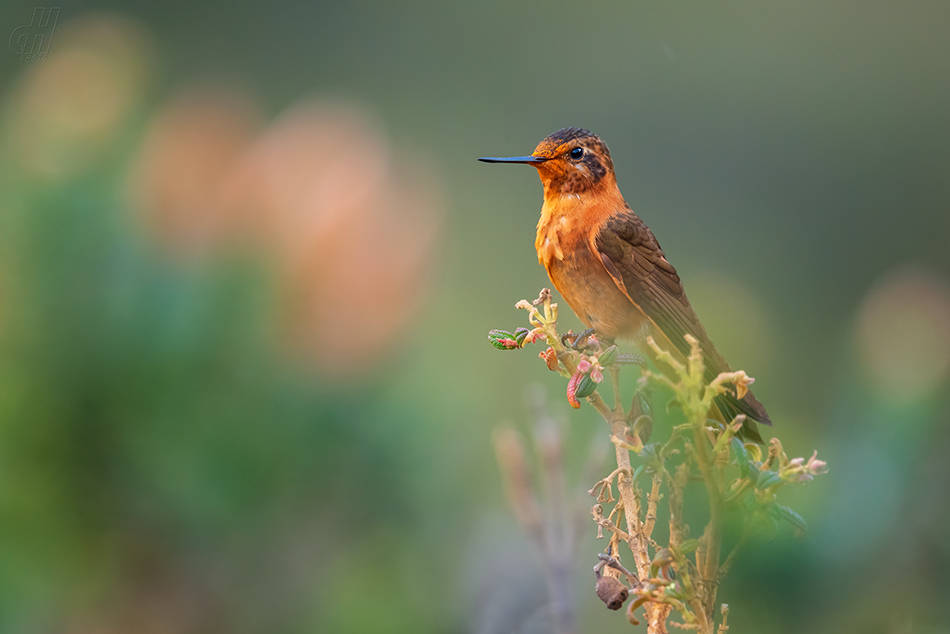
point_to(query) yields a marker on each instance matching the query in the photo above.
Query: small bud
(736, 425)
(742, 384)
(572, 390)
(502, 339)
(585, 386)
(520, 335)
(535, 335)
(596, 375)
(660, 567)
(755, 452)
(583, 365)
(543, 296)
(816, 466)
(612, 592)
(550, 358)
(663, 557)
(608, 356)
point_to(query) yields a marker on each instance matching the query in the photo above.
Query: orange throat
(570, 221)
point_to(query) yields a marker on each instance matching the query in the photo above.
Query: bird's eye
(577, 152)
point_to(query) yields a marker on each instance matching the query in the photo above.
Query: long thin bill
(513, 159)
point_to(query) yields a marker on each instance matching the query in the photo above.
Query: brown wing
(633, 258)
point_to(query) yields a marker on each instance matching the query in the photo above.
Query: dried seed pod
(612, 592)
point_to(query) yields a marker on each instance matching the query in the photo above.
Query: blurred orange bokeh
(318, 195)
(177, 180)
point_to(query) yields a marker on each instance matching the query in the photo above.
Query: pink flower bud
(816, 466)
(550, 358)
(583, 366)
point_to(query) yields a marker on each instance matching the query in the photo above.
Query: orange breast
(578, 274)
(590, 291)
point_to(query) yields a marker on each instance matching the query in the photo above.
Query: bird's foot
(580, 342)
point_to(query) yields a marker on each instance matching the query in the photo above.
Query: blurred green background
(248, 262)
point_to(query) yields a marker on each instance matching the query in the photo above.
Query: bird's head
(570, 161)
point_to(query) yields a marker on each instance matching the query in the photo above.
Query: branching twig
(665, 579)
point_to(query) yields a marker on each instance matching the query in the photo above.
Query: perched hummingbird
(608, 265)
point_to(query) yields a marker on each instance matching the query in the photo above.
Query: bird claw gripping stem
(580, 341)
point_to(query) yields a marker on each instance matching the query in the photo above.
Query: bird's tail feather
(730, 407)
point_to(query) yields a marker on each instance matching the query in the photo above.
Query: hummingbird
(608, 265)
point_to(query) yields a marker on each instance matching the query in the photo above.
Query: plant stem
(713, 533)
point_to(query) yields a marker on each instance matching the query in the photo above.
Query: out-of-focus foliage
(247, 261)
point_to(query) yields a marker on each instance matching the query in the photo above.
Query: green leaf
(650, 454)
(767, 480)
(502, 339)
(793, 518)
(748, 502)
(646, 405)
(689, 546)
(649, 451)
(742, 456)
(738, 448)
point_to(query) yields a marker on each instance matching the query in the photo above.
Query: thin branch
(652, 501)
(731, 558)
(605, 522)
(713, 534)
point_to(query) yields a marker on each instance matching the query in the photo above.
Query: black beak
(530, 160)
